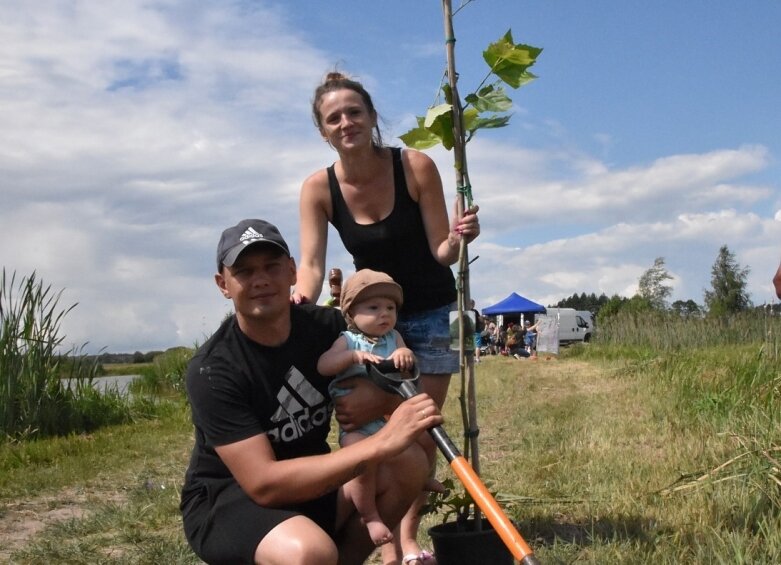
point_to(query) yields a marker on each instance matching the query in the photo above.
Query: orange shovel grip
(487, 503)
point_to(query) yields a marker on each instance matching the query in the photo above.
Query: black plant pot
(467, 546)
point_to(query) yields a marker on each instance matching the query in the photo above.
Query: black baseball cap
(236, 239)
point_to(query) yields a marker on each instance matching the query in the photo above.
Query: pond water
(120, 382)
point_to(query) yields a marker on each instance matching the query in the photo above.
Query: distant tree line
(137, 357)
(127, 358)
(583, 301)
(726, 296)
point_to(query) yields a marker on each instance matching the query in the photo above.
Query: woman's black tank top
(395, 245)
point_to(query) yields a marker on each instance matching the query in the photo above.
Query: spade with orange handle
(387, 376)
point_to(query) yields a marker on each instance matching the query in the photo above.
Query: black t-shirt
(238, 388)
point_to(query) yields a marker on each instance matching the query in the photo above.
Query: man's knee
(295, 551)
(297, 541)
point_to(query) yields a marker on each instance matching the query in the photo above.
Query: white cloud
(134, 132)
(518, 183)
(612, 259)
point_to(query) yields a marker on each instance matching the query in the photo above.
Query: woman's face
(345, 121)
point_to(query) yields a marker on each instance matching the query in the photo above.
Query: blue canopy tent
(514, 304)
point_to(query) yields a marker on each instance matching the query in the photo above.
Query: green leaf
(490, 123)
(470, 118)
(420, 137)
(475, 122)
(439, 121)
(510, 61)
(436, 127)
(526, 77)
(436, 112)
(490, 98)
(448, 91)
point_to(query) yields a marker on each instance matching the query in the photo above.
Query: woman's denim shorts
(427, 334)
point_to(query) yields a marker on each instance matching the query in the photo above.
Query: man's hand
(413, 417)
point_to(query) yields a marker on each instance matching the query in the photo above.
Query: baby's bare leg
(363, 492)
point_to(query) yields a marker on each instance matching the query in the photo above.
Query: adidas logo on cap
(235, 239)
(250, 236)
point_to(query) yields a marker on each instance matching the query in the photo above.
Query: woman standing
(389, 208)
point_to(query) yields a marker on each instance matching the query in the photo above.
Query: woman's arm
(425, 186)
(270, 482)
(314, 211)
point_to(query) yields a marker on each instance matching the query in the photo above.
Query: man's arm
(270, 482)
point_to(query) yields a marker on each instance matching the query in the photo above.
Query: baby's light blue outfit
(356, 341)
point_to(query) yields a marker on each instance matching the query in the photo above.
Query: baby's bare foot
(379, 532)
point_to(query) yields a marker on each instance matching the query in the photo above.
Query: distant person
(510, 340)
(485, 337)
(370, 301)
(493, 330)
(519, 351)
(479, 329)
(262, 485)
(500, 339)
(777, 282)
(530, 338)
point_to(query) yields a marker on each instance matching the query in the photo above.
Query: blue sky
(133, 132)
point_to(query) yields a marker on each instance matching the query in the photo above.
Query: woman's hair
(337, 81)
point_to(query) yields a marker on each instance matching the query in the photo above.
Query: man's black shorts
(223, 525)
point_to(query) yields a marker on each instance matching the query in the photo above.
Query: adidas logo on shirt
(301, 406)
(250, 236)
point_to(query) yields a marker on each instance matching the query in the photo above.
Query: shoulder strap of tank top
(399, 180)
(338, 205)
(337, 200)
(333, 182)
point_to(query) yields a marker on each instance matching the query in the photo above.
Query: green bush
(165, 374)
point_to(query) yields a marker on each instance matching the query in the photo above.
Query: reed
(34, 398)
(667, 331)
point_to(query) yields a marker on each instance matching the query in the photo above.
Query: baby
(369, 301)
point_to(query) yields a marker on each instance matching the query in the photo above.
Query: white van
(572, 325)
(588, 317)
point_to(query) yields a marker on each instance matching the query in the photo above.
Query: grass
(121, 485)
(605, 454)
(633, 461)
